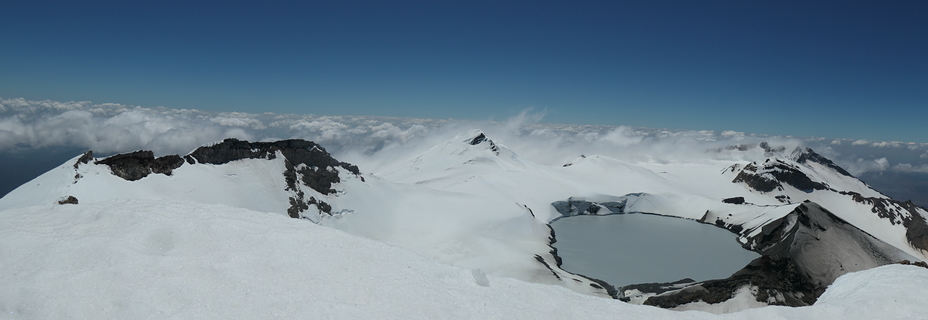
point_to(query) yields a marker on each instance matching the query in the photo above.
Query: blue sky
(843, 69)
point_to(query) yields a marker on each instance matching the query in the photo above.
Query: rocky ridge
(307, 164)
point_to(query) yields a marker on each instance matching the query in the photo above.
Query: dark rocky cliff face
(139, 164)
(307, 164)
(296, 151)
(481, 138)
(777, 281)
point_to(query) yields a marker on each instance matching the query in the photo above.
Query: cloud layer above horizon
(376, 143)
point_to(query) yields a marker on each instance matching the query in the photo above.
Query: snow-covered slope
(473, 203)
(154, 259)
(490, 233)
(844, 225)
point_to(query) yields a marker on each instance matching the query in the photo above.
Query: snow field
(190, 246)
(144, 259)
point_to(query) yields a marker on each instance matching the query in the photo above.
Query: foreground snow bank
(133, 259)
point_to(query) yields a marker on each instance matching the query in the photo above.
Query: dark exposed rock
(736, 228)
(792, 176)
(296, 151)
(478, 139)
(530, 211)
(139, 164)
(735, 200)
(768, 176)
(783, 198)
(545, 263)
(750, 177)
(778, 282)
(551, 241)
(481, 138)
(916, 263)
(572, 163)
(916, 232)
(68, 200)
(166, 164)
(130, 166)
(84, 159)
(297, 205)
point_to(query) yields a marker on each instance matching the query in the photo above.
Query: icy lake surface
(625, 249)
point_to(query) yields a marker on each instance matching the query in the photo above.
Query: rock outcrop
(307, 164)
(481, 138)
(139, 164)
(770, 176)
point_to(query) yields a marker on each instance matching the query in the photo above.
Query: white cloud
(886, 144)
(860, 142)
(376, 142)
(733, 135)
(621, 136)
(238, 119)
(862, 165)
(882, 162)
(906, 167)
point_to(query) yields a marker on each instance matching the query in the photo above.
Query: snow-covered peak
(471, 151)
(480, 138)
(473, 140)
(801, 171)
(808, 156)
